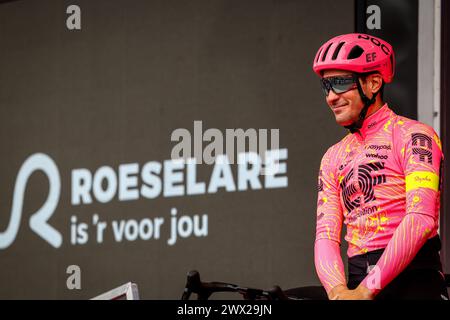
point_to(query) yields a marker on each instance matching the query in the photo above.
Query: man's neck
(375, 107)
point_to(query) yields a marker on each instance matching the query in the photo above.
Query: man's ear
(374, 82)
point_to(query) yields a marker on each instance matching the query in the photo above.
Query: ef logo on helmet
(371, 57)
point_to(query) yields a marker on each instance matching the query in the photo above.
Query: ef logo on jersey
(422, 146)
(366, 185)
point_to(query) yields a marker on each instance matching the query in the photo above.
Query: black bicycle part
(205, 289)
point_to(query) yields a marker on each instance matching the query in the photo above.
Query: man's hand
(334, 293)
(343, 293)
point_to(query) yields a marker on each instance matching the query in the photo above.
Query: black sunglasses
(339, 84)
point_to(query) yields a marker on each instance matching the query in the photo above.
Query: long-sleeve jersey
(383, 182)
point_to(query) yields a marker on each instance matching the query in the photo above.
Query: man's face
(346, 106)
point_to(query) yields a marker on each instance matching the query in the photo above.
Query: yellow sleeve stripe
(422, 179)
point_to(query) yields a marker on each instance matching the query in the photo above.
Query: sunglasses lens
(341, 85)
(338, 84)
(326, 86)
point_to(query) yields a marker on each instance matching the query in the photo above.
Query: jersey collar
(375, 121)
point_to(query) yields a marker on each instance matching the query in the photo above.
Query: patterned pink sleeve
(407, 240)
(327, 258)
(329, 265)
(421, 156)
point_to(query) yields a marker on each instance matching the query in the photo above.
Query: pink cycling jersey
(383, 183)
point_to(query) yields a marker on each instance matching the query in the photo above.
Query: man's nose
(332, 97)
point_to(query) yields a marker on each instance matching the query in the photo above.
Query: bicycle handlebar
(205, 289)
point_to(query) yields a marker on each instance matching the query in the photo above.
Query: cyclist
(382, 181)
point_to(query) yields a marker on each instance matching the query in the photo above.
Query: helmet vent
(356, 52)
(318, 55)
(336, 52)
(326, 51)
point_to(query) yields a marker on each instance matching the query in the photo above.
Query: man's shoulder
(407, 127)
(339, 146)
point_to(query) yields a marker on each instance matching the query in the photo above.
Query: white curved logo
(38, 220)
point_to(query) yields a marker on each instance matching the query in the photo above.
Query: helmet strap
(355, 126)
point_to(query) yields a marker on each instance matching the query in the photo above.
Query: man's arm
(327, 256)
(408, 238)
(421, 157)
(329, 266)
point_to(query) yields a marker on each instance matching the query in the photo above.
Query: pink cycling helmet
(356, 52)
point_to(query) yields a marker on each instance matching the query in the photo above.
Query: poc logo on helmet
(376, 42)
